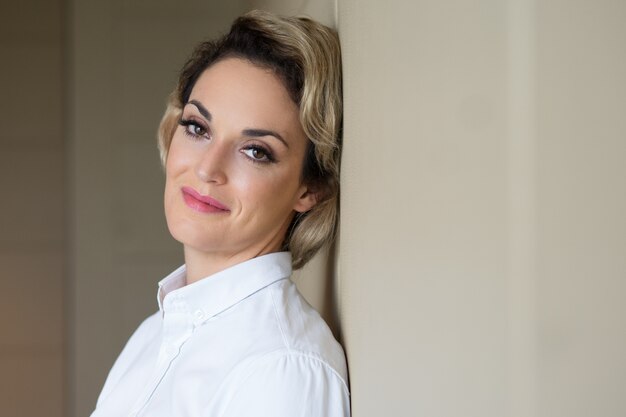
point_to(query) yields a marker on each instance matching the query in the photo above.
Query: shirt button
(199, 314)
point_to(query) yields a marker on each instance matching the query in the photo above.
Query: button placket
(177, 328)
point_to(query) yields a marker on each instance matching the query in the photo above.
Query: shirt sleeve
(292, 385)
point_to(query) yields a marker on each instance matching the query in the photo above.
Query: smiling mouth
(202, 203)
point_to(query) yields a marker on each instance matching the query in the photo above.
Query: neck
(200, 265)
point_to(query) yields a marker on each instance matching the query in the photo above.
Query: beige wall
(32, 232)
(581, 208)
(482, 260)
(424, 226)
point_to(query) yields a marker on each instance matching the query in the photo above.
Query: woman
(250, 145)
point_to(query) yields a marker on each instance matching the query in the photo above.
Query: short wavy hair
(306, 57)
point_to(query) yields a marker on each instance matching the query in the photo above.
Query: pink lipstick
(202, 203)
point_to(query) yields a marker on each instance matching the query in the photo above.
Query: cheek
(176, 164)
(181, 157)
(267, 192)
(176, 159)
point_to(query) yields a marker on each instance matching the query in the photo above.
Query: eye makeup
(194, 129)
(259, 154)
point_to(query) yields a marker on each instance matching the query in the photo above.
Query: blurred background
(481, 263)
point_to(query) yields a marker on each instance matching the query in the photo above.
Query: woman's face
(234, 164)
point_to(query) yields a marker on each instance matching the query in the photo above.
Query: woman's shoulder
(304, 332)
(277, 322)
(284, 382)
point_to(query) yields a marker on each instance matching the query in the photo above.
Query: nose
(212, 164)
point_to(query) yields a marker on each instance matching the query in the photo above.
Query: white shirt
(242, 342)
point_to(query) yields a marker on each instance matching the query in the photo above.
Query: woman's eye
(258, 154)
(196, 130)
(193, 128)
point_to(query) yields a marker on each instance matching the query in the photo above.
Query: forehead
(234, 88)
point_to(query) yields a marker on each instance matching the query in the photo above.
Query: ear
(307, 199)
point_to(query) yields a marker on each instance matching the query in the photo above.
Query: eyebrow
(258, 133)
(255, 133)
(203, 110)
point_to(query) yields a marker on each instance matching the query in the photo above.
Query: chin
(187, 233)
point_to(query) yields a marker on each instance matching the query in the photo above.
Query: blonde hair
(306, 56)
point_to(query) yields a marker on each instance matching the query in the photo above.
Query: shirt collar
(210, 296)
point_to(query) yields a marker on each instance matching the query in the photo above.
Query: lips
(202, 203)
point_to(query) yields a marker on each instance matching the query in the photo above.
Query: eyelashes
(254, 152)
(258, 154)
(194, 129)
